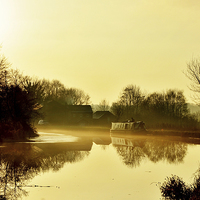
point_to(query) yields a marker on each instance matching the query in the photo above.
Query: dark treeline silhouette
(23, 97)
(159, 110)
(18, 106)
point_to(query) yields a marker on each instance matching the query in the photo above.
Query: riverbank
(106, 130)
(75, 130)
(180, 133)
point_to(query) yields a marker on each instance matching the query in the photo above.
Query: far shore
(106, 130)
(181, 133)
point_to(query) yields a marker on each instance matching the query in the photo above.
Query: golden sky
(101, 46)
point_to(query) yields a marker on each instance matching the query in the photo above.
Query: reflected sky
(95, 166)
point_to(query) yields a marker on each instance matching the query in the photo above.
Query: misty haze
(99, 100)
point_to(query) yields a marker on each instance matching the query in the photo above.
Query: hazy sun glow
(102, 46)
(5, 17)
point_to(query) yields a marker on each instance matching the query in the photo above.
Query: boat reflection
(135, 149)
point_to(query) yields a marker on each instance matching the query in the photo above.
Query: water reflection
(134, 150)
(20, 162)
(172, 152)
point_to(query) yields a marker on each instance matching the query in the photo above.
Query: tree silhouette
(175, 188)
(103, 106)
(18, 109)
(117, 109)
(193, 74)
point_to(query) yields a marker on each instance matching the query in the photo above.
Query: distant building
(56, 113)
(79, 114)
(103, 118)
(76, 115)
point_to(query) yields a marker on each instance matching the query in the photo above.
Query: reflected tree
(131, 156)
(56, 162)
(19, 163)
(135, 151)
(173, 152)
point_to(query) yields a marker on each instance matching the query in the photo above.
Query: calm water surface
(91, 165)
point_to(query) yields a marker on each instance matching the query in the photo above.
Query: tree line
(22, 98)
(159, 110)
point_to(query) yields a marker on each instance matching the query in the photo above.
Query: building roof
(79, 108)
(99, 114)
(71, 108)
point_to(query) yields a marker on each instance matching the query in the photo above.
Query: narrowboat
(127, 127)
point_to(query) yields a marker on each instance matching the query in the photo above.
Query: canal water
(94, 165)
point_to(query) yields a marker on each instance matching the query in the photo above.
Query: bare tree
(103, 106)
(4, 70)
(193, 73)
(131, 98)
(117, 109)
(77, 97)
(51, 90)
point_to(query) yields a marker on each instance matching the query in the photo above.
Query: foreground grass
(175, 188)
